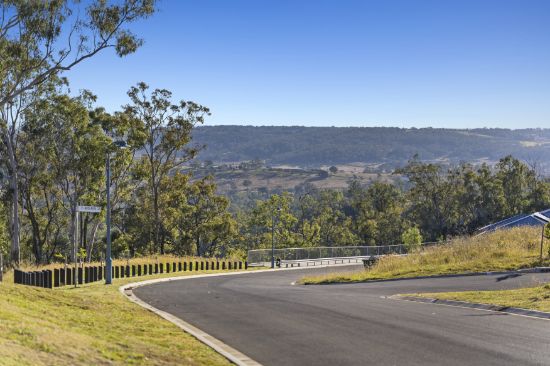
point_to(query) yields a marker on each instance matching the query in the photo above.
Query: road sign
(94, 209)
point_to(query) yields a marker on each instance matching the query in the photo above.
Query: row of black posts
(68, 276)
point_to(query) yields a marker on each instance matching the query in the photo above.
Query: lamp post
(273, 237)
(108, 259)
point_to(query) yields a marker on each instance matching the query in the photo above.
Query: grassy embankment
(90, 325)
(498, 251)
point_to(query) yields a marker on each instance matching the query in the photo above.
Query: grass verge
(90, 325)
(532, 298)
(499, 251)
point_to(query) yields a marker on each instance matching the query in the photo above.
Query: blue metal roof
(535, 219)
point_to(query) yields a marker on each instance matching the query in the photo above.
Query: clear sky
(440, 63)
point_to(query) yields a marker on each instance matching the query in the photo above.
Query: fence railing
(288, 254)
(264, 255)
(58, 277)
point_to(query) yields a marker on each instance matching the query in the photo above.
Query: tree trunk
(15, 245)
(158, 243)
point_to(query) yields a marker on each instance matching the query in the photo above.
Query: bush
(412, 239)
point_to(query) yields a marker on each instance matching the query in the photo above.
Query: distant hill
(317, 146)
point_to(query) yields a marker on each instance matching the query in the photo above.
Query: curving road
(276, 323)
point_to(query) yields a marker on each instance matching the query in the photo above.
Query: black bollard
(80, 275)
(139, 270)
(179, 267)
(116, 271)
(69, 277)
(48, 279)
(133, 270)
(56, 277)
(62, 277)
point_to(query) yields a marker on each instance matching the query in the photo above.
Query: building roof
(534, 219)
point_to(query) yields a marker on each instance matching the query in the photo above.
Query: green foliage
(462, 199)
(411, 238)
(162, 130)
(41, 39)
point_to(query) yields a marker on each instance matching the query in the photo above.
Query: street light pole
(273, 236)
(272, 240)
(108, 260)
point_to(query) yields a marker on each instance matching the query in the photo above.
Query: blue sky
(441, 63)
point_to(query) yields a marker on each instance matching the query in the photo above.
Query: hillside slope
(314, 146)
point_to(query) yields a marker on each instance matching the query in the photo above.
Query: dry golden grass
(533, 298)
(499, 251)
(90, 325)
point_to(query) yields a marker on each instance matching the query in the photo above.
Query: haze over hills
(319, 146)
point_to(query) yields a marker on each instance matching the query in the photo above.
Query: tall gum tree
(162, 130)
(40, 40)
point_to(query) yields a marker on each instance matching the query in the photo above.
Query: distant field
(285, 178)
(499, 251)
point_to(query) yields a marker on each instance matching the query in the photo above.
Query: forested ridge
(312, 146)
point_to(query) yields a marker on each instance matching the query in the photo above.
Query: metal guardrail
(295, 254)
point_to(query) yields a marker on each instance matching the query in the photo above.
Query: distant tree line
(435, 204)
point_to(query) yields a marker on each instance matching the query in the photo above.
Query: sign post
(90, 209)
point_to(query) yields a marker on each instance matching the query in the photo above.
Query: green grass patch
(499, 251)
(532, 298)
(91, 325)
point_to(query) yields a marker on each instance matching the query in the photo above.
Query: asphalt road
(276, 323)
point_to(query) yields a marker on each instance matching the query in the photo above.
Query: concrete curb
(465, 274)
(476, 306)
(225, 350)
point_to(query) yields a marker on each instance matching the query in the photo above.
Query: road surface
(275, 322)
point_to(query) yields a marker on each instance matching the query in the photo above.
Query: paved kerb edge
(225, 350)
(477, 306)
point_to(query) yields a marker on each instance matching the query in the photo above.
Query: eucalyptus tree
(78, 154)
(39, 40)
(162, 132)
